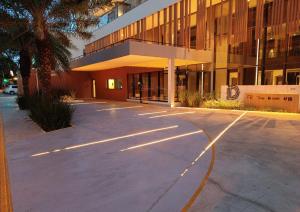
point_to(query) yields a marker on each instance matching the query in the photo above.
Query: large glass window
(273, 77)
(154, 86)
(293, 77)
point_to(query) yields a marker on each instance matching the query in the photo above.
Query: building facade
(156, 49)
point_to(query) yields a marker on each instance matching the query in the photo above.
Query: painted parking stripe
(106, 140)
(118, 108)
(158, 112)
(88, 103)
(211, 145)
(162, 140)
(171, 114)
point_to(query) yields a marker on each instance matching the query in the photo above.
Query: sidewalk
(16, 120)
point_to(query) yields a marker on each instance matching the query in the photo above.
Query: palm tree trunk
(25, 69)
(25, 82)
(44, 72)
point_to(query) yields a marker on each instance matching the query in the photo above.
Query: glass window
(293, 77)
(273, 77)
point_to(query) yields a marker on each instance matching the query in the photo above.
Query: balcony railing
(121, 42)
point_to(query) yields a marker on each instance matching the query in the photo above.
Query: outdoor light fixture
(172, 114)
(118, 108)
(145, 114)
(162, 140)
(105, 140)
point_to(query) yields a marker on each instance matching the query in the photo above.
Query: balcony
(139, 53)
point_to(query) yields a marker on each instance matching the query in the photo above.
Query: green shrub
(223, 104)
(183, 97)
(194, 99)
(189, 99)
(50, 113)
(22, 102)
(57, 93)
(210, 96)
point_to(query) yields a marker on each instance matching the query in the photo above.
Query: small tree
(58, 19)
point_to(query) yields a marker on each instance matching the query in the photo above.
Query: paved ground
(131, 157)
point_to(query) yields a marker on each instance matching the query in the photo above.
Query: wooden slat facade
(173, 25)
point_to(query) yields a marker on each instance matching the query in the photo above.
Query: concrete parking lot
(120, 156)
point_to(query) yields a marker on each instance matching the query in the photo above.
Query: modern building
(153, 49)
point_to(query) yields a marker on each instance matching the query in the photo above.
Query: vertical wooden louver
(293, 16)
(259, 19)
(181, 40)
(277, 17)
(229, 21)
(170, 26)
(220, 22)
(240, 21)
(201, 24)
(175, 24)
(186, 24)
(165, 26)
(158, 27)
(210, 24)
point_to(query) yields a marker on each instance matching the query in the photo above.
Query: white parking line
(88, 103)
(40, 154)
(161, 140)
(106, 140)
(213, 142)
(118, 108)
(171, 114)
(158, 112)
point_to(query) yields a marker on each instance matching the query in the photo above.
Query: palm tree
(7, 63)
(52, 19)
(16, 40)
(12, 40)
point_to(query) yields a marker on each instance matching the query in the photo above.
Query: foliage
(53, 23)
(50, 113)
(183, 97)
(57, 93)
(210, 96)
(223, 104)
(194, 99)
(22, 102)
(7, 62)
(189, 99)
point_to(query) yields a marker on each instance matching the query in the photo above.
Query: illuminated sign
(114, 84)
(284, 102)
(111, 84)
(233, 93)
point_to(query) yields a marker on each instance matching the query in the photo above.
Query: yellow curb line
(203, 182)
(5, 193)
(212, 143)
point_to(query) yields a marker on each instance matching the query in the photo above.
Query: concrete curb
(5, 192)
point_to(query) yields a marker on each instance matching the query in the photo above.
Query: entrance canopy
(139, 54)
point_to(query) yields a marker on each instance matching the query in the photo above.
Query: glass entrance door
(153, 86)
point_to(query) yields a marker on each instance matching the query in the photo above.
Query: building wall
(141, 11)
(78, 82)
(227, 28)
(101, 77)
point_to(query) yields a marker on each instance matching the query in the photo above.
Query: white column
(171, 82)
(257, 62)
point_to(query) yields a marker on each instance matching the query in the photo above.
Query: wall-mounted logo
(233, 92)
